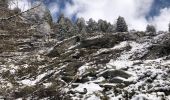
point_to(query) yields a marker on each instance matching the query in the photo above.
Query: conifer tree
(65, 28)
(121, 25)
(92, 26)
(103, 25)
(81, 24)
(151, 29)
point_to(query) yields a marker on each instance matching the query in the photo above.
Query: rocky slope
(101, 66)
(105, 67)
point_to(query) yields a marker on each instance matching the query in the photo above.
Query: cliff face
(99, 66)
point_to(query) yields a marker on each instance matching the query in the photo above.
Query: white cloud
(162, 20)
(134, 12)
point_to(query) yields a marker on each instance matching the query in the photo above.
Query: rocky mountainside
(35, 65)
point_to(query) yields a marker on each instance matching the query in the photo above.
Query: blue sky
(157, 6)
(138, 13)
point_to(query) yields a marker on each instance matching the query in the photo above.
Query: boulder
(68, 73)
(119, 80)
(71, 68)
(63, 46)
(110, 73)
(99, 42)
(105, 41)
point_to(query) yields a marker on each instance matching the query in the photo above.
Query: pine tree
(92, 26)
(81, 24)
(65, 28)
(121, 25)
(151, 29)
(103, 25)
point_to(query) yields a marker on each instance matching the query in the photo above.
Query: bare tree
(15, 15)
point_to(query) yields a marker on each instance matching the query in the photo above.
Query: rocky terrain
(38, 63)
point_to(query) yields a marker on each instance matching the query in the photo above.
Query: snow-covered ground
(148, 78)
(120, 72)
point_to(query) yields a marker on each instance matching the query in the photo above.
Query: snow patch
(83, 69)
(93, 97)
(147, 97)
(119, 64)
(47, 84)
(95, 37)
(91, 88)
(137, 48)
(121, 45)
(33, 82)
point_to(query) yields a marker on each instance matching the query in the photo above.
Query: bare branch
(2, 19)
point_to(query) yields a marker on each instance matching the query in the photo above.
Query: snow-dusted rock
(63, 46)
(117, 76)
(111, 66)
